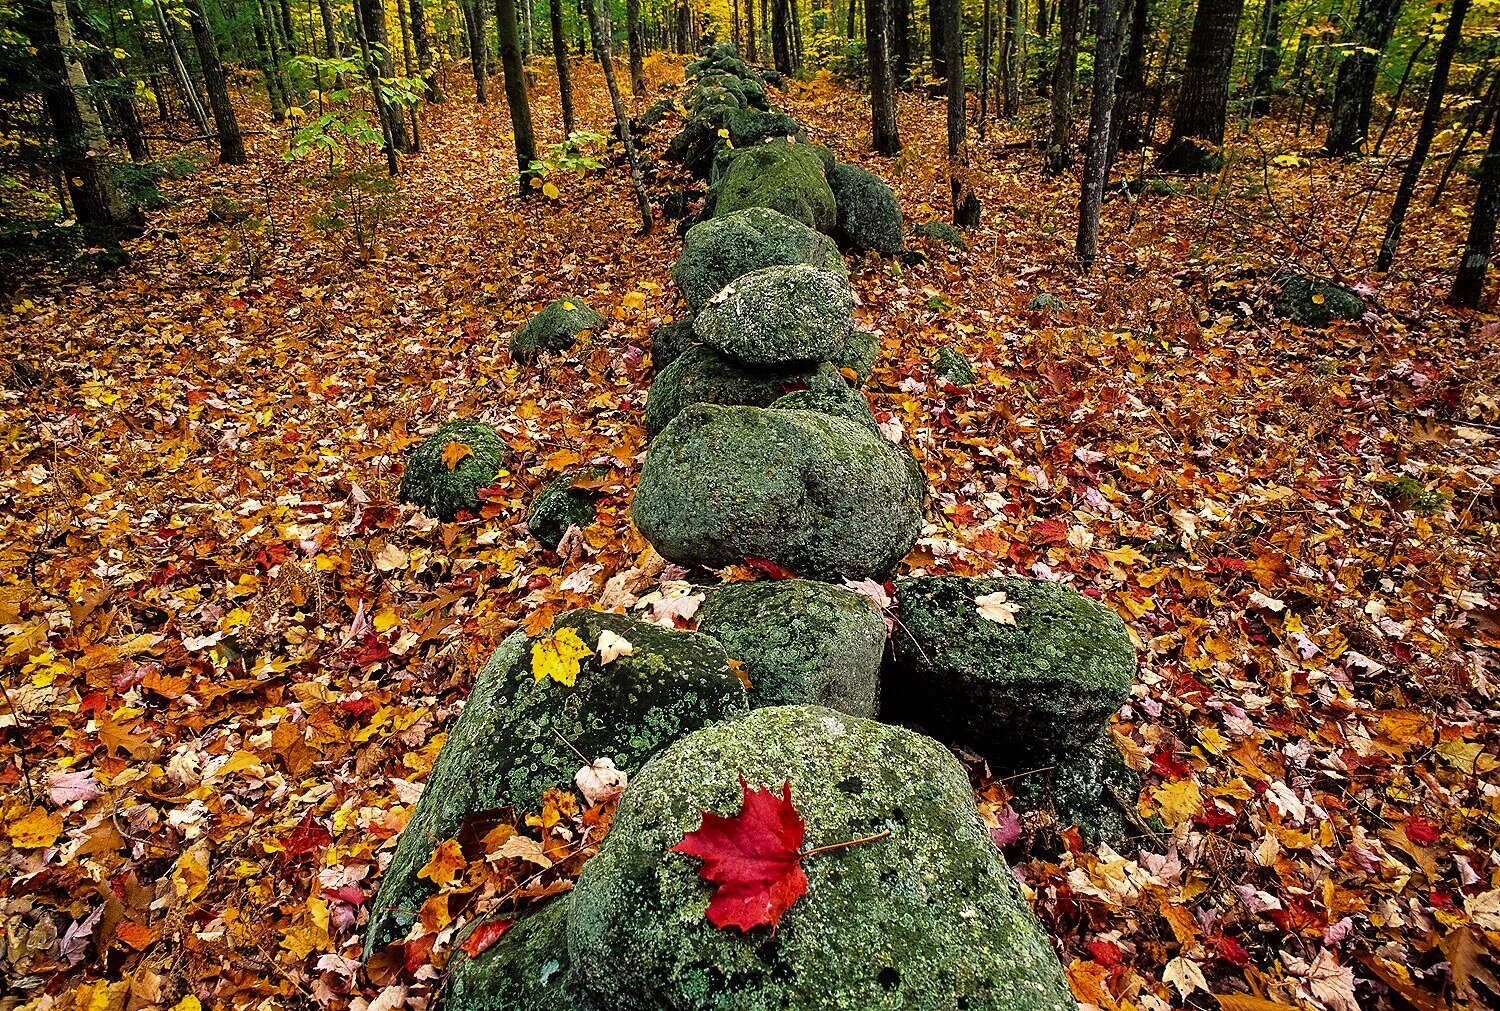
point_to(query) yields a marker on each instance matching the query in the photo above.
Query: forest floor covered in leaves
(228, 655)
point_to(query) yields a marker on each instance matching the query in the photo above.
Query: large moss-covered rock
(723, 249)
(801, 642)
(1023, 693)
(1089, 787)
(527, 969)
(441, 490)
(789, 178)
(518, 731)
(859, 354)
(1311, 301)
(701, 375)
(929, 918)
(778, 315)
(837, 399)
(821, 496)
(555, 328)
(869, 216)
(563, 504)
(669, 341)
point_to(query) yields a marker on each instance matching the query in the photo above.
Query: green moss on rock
(509, 744)
(789, 178)
(801, 642)
(669, 341)
(1310, 301)
(555, 329)
(942, 231)
(836, 399)
(928, 919)
(527, 968)
(1090, 787)
(427, 481)
(869, 216)
(721, 250)
(821, 496)
(702, 375)
(1022, 693)
(781, 314)
(560, 505)
(954, 368)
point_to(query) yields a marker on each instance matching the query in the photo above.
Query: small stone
(441, 490)
(1310, 301)
(555, 329)
(953, 368)
(942, 231)
(560, 505)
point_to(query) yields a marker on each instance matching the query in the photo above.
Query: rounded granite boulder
(720, 250)
(527, 968)
(802, 642)
(869, 217)
(1311, 301)
(928, 918)
(701, 375)
(780, 314)
(442, 481)
(821, 496)
(564, 502)
(790, 178)
(1022, 691)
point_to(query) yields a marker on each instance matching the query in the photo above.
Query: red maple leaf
(484, 935)
(766, 567)
(754, 859)
(306, 839)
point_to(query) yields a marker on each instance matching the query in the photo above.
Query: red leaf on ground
(306, 839)
(484, 935)
(1049, 531)
(754, 859)
(1106, 953)
(1422, 832)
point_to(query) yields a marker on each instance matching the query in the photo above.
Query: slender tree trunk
(330, 32)
(965, 202)
(1130, 108)
(1431, 114)
(185, 82)
(599, 21)
(1064, 81)
(231, 144)
(735, 35)
(479, 56)
(936, 10)
(1354, 90)
(1468, 284)
(1267, 58)
(750, 31)
(1101, 108)
(270, 18)
(423, 43)
(288, 30)
(371, 15)
(1390, 118)
(781, 47)
(1012, 53)
(901, 37)
(515, 92)
(109, 79)
(795, 22)
(1043, 24)
(884, 136)
(636, 41)
(560, 57)
(986, 45)
(1198, 128)
(390, 119)
(267, 68)
(1477, 119)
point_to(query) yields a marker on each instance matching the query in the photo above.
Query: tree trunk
(110, 81)
(1129, 118)
(83, 156)
(599, 21)
(901, 40)
(270, 19)
(1101, 107)
(390, 119)
(371, 18)
(1043, 25)
(884, 136)
(750, 31)
(1064, 81)
(986, 46)
(231, 144)
(479, 56)
(1267, 58)
(1011, 53)
(288, 30)
(423, 44)
(560, 57)
(1431, 114)
(965, 203)
(515, 91)
(936, 9)
(330, 33)
(1354, 90)
(267, 68)
(1468, 284)
(185, 82)
(781, 46)
(636, 41)
(1395, 105)
(1198, 127)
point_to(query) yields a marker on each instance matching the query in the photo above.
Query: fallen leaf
(454, 453)
(445, 865)
(557, 657)
(37, 829)
(484, 935)
(994, 607)
(612, 646)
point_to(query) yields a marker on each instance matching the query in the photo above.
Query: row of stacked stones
(764, 448)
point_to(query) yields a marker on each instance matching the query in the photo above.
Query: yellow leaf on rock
(558, 657)
(37, 830)
(446, 864)
(454, 453)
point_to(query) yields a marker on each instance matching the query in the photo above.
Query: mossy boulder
(789, 178)
(801, 642)
(942, 231)
(929, 918)
(563, 504)
(781, 314)
(1089, 787)
(859, 354)
(1310, 301)
(555, 329)
(1022, 693)
(723, 249)
(953, 368)
(442, 491)
(669, 341)
(527, 968)
(517, 733)
(837, 399)
(821, 496)
(750, 126)
(701, 375)
(869, 216)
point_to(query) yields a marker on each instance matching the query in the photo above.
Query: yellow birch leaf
(550, 192)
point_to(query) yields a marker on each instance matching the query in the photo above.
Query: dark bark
(1468, 284)
(288, 30)
(901, 37)
(1043, 25)
(936, 11)
(1010, 52)
(271, 20)
(1128, 123)
(599, 21)
(185, 84)
(1476, 119)
(1431, 114)
(1354, 90)
(636, 42)
(1101, 108)
(390, 120)
(560, 57)
(965, 202)
(1267, 58)
(231, 144)
(1400, 92)
(1064, 82)
(884, 135)
(423, 43)
(109, 81)
(371, 16)
(849, 29)
(1198, 127)
(330, 33)
(478, 52)
(267, 68)
(750, 40)
(515, 91)
(986, 47)
(781, 45)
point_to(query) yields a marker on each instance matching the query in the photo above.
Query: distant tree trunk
(965, 202)
(1064, 81)
(83, 155)
(901, 41)
(1395, 104)
(750, 31)
(599, 21)
(1198, 128)
(1354, 90)
(1101, 107)
(267, 68)
(1011, 53)
(796, 27)
(423, 44)
(1267, 58)
(109, 81)
(270, 18)
(781, 47)
(390, 119)
(986, 46)
(1043, 25)
(560, 57)
(936, 9)
(1468, 284)
(370, 16)
(473, 11)
(185, 84)
(515, 91)
(330, 33)
(1431, 114)
(231, 144)
(884, 136)
(1128, 121)
(288, 30)
(735, 35)
(636, 42)
(1477, 118)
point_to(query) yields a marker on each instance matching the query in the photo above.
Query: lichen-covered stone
(821, 496)
(1089, 787)
(781, 314)
(837, 399)
(789, 178)
(527, 969)
(555, 328)
(657, 111)
(859, 354)
(869, 216)
(942, 231)
(669, 341)
(723, 249)
(929, 918)
(954, 368)
(801, 642)
(701, 375)
(560, 505)
(517, 733)
(1311, 301)
(440, 490)
(1021, 693)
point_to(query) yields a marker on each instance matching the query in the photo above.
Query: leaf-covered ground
(228, 655)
